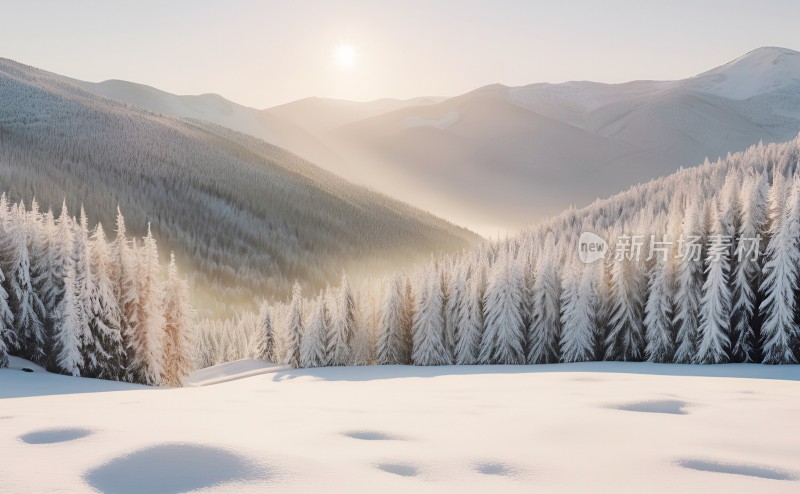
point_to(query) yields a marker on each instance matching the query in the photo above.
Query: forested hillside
(703, 266)
(248, 217)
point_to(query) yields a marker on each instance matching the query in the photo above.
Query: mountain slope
(509, 156)
(213, 108)
(249, 216)
(321, 115)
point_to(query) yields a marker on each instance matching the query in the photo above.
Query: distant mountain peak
(764, 70)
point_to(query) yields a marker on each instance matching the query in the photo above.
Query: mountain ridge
(248, 216)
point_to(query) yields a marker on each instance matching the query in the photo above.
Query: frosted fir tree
(294, 328)
(453, 298)
(70, 331)
(428, 322)
(7, 336)
(313, 345)
(49, 276)
(715, 306)
(342, 324)
(747, 273)
(24, 301)
(126, 292)
(504, 337)
(364, 337)
(40, 232)
(578, 302)
(390, 341)
(95, 356)
(178, 341)
(689, 285)
(104, 322)
(730, 204)
(544, 333)
(267, 350)
(4, 348)
(625, 339)
(469, 326)
(659, 335)
(779, 331)
(148, 337)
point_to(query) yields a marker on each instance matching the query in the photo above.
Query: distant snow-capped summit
(762, 71)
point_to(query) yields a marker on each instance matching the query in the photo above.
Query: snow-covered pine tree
(294, 328)
(715, 306)
(364, 337)
(747, 273)
(148, 338)
(469, 328)
(94, 355)
(4, 348)
(178, 339)
(779, 330)
(313, 345)
(390, 340)
(689, 286)
(625, 339)
(659, 335)
(545, 330)
(454, 296)
(71, 332)
(267, 350)
(104, 322)
(7, 336)
(428, 321)
(47, 277)
(24, 301)
(126, 292)
(342, 324)
(504, 338)
(578, 304)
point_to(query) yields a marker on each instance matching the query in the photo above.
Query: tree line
(77, 304)
(529, 300)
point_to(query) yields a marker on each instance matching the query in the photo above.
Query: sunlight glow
(345, 55)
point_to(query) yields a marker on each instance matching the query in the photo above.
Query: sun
(345, 55)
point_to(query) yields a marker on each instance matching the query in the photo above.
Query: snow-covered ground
(595, 427)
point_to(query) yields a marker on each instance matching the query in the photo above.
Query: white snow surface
(592, 427)
(229, 371)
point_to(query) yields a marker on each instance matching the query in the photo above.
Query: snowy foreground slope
(595, 427)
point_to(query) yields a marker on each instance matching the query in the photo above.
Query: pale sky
(264, 53)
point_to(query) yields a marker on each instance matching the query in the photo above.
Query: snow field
(589, 427)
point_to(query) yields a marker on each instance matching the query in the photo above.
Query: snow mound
(52, 436)
(172, 468)
(761, 472)
(232, 371)
(675, 407)
(17, 363)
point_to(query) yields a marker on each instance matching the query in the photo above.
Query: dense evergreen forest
(703, 267)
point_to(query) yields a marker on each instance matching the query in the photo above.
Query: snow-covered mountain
(506, 156)
(270, 127)
(250, 217)
(502, 157)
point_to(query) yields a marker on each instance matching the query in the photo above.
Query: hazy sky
(263, 53)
